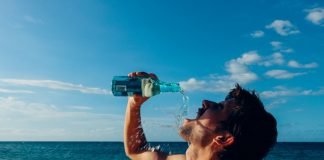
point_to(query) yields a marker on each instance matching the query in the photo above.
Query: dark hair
(253, 128)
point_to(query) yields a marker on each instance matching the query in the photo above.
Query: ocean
(115, 150)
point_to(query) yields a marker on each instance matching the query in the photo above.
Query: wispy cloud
(287, 50)
(295, 64)
(275, 103)
(278, 46)
(3, 90)
(316, 16)
(296, 110)
(84, 108)
(282, 74)
(280, 91)
(257, 34)
(43, 122)
(283, 27)
(32, 19)
(274, 59)
(58, 85)
(39, 121)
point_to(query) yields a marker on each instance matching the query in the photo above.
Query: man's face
(203, 129)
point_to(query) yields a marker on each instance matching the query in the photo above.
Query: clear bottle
(145, 86)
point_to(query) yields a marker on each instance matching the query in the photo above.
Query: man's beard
(186, 132)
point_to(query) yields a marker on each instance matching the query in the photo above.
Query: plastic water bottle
(145, 86)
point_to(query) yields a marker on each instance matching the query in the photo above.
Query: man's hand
(137, 100)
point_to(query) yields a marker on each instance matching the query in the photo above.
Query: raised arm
(135, 144)
(134, 137)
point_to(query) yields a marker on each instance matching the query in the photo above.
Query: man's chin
(185, 133)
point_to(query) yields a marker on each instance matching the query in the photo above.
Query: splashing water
(180, 116)
(183, 110)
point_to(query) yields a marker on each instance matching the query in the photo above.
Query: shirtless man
(238, 128)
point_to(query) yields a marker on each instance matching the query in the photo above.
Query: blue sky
(57, 59)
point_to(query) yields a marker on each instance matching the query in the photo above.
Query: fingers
(143, 74)
(138, 74)
(153, 76)
(133, 74)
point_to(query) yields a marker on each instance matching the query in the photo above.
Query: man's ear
(223, 140)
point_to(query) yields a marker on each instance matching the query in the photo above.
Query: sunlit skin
(202, 134)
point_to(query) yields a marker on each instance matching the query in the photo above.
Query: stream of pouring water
(183, 110)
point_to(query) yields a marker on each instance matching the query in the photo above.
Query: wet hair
(253, 128)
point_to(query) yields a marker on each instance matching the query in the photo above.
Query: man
(237, 128)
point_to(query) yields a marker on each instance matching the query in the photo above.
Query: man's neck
(199, 153)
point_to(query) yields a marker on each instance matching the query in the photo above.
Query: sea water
(115, 150)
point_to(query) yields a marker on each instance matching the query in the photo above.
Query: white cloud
(81, 108)
(238, 73)
(249, 58)
(282, 74)
(22, 120)
(312, 92)
(287, 50)
(213, 84)
(280, 91)
(276, 45)
(316, 16)
(283, 27)
(275, 103)
(3, 90)
(295, 64)
(58, 85)
(193, 84)
(257, 34)
(275, 58)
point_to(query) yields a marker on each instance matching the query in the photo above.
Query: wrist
(133, 105)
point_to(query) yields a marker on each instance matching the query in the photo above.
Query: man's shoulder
(176, 157)
(157, 156)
